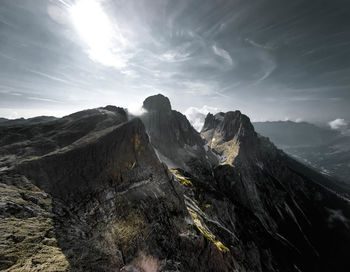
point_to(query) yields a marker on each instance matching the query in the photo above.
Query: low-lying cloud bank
(341, 125)
(338, 124)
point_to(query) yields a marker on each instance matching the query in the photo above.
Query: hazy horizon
(196, 116)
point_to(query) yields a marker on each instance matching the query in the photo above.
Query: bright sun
(104, 40)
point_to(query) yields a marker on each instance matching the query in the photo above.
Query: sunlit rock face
(94, 191)
(230, 134)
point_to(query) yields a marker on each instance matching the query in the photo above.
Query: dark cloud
(271, 59)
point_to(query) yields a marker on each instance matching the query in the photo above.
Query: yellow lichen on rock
(206, 204)
(174, 171)
(27, 237)
(184, 181)
(207, 234)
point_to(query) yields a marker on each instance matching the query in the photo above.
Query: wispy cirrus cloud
(232, 54)
(223, 54)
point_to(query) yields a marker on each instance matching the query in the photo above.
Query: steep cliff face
(292, 207)
(175, 140)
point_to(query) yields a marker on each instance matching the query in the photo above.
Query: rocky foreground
(100, 190)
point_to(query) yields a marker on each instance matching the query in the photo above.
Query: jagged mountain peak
(230, 134)
(211, 121)
(115, 109)
(229, 124)
(157, 102)
(177, 143)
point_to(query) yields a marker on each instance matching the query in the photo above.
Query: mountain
(289, 133)
(98, 199)
(275, 188)
(98, 191)
(324, 149)
(18, 142)
(3, 120)
(176, 142)
(23, 121)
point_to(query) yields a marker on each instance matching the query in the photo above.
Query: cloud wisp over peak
(196, 116)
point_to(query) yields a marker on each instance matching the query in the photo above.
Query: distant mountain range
(101, 190)
(325, 149)
(23, 121)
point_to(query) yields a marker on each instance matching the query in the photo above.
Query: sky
(271, 59)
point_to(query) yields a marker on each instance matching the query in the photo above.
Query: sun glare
(104, 40)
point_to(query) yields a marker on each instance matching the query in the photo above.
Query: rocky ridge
(111, 205)
(94, 191)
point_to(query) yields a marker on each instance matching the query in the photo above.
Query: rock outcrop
(230, 134)
(176, 142)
